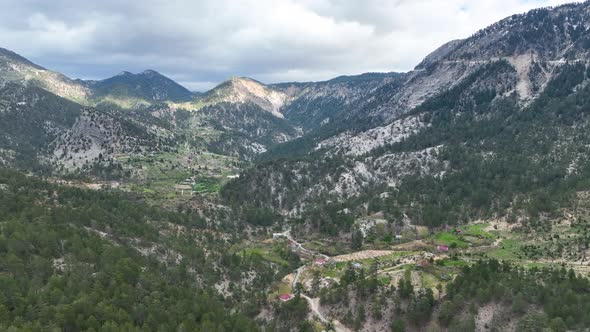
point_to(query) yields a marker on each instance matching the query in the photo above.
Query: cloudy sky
(200, 43)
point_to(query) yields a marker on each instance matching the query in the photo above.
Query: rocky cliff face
(536, 44)
(548, 34)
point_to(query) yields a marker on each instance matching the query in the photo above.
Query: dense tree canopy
(66, 263)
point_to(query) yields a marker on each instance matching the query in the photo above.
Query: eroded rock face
(361, 143)
(244, 90)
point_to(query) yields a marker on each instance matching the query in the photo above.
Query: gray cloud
(200, 43)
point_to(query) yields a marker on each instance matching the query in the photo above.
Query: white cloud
(199, 42)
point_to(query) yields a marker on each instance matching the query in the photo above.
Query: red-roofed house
(320, 261)
(285, 297)
(443, 248)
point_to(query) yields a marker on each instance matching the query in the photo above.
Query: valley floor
(434, 260)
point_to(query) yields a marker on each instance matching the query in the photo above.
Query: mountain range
(479, 153)
(364, 124)
(471, 97)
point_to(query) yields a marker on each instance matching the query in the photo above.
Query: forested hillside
(452, 197)
(80, 260)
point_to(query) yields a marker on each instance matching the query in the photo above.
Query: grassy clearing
(336, 270)
(478, 230)
(266, 251)
(385, 280)
(279, 288)
(207, 185)
(509, 249)
(448, 238)
(330, 249)
(284, 288)
(465, 236)
(332, 273)
(267, 254)
(453, 263)
(429, 280)
(169, 178)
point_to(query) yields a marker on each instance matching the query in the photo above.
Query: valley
(451, 197)
(432, 261)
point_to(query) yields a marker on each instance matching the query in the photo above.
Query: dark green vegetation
(292, 314)
(71, 259)
(534, 298)
(396, 162)
(556, 298)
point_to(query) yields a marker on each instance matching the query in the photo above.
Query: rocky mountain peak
(549, 33)
(150, 72)
(242, 89)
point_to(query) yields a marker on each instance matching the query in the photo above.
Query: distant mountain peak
(245, 89)
(150, 72)
(147, 72)
(148, 85)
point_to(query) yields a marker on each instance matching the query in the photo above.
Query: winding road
(314, 304)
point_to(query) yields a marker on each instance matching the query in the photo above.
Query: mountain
(245, 90)
(453, 197)
(534, 43)
(248, 115)
(126, 89)
(314, 104)
(15, 68)
(148, 85)
(47, 133)
(486, 100)
(243, 114)
(31, 118)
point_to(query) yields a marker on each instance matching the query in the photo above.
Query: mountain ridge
(450, 85)
(455, 196)
(147, 85)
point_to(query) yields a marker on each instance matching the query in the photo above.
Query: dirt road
(314, 304)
